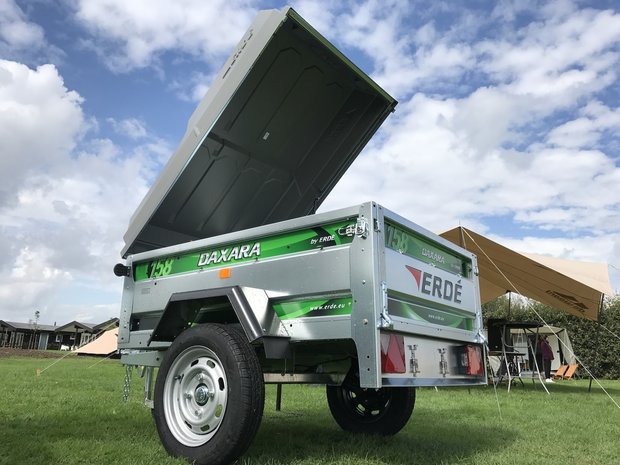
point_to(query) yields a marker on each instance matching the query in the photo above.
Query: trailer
(232, 280)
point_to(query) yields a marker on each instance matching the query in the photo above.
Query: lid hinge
(361, 228)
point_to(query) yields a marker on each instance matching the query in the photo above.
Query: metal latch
(361, 228)
(414, 365)
(385, 320)
(443, 363)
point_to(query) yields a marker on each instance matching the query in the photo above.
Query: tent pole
(509, 303)
(462, 237)
(598, 338)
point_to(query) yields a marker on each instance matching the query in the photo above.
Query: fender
(183, 308)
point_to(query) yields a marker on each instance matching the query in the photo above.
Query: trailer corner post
(367, 275)
(126, 307)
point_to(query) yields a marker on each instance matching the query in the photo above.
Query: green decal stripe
(229, 254)
(421, 313)
(416, 246)
(313, 308)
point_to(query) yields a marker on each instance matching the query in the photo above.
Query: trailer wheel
(209, 395)
(382, 411)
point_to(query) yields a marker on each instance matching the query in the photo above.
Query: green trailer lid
(281, 123)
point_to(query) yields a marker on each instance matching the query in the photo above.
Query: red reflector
(474, 360)
(392, 353)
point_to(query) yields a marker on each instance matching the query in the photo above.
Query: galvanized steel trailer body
(231, 280)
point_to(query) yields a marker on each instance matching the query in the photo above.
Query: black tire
(209, 395)
(381, 412)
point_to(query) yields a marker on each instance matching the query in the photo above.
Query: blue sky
(508, 122)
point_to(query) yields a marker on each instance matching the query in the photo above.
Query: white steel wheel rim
(195, 396)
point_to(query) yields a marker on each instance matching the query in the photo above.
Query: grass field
(73, 413)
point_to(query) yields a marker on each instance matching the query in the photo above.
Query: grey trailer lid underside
(299, 116)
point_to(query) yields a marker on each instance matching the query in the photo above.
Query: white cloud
(560, 55)
(64, 210)
(586, 248)
(319, 13)
(587, 130)
(134, 34)
(16, 32)
(403, 58)
(507, 10)
(445, 159)
(23, 40)
(40, 121)
(29, 284)
(129, 127)
(194, 88)
(71, 222)
(429, 167)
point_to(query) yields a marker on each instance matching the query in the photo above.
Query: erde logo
(435, 286)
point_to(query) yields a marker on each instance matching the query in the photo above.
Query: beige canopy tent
(105, 344)
(574, 287)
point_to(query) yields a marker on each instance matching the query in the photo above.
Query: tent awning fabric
(105, 344)
(594, 275)
(574, 287)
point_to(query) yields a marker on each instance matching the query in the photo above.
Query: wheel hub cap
(202, 395)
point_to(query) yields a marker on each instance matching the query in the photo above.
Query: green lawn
(73, 413)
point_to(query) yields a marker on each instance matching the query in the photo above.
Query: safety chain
(128, 370)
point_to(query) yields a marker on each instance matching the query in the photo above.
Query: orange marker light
(225, 273)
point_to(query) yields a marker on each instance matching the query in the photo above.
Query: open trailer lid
(281, 123)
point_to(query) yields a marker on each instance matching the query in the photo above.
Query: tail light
(393, 353)
(472, 361)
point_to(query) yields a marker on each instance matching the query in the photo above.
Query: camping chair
(560, 371)
(570, 372)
